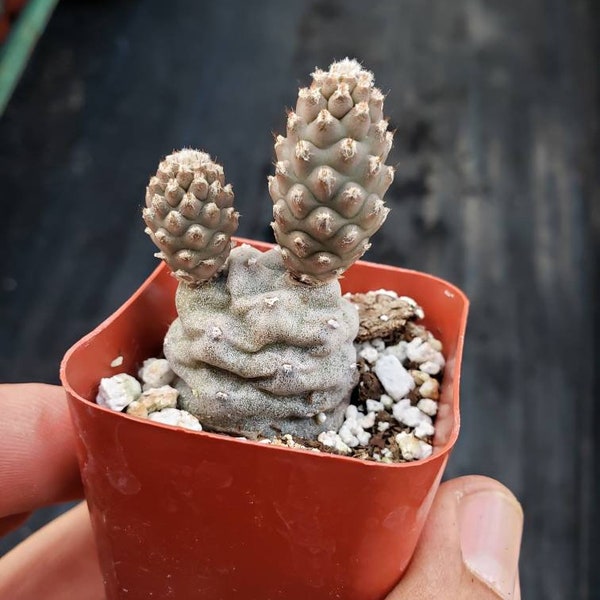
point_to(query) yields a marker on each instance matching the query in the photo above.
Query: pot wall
(182, 514)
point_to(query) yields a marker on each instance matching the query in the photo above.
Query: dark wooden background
(496, 107)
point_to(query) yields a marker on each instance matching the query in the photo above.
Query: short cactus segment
(190, 216)
(330, 175)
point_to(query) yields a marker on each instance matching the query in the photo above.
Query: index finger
(38, 465)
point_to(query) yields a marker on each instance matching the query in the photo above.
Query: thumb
(469, 549)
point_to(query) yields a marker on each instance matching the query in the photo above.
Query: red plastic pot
(182, 515)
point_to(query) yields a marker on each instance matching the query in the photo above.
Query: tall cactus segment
(190, 216)
(330, 175)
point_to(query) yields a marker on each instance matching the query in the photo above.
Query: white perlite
(428, 406)
(398, 350)
(430, 389)
(419, 351)
(153, 400)
(177, 418)
(118, 392)
(352, 432)
(332, 440)
(369, 354)
(374, 406)
(411, 448)
(117, 362)
(412, 416)
(430, 367)
(394, 378)
(386, 401)
(155, 373)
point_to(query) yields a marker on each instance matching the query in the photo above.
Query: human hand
(469, 548)
(38, 468)
(468, 551)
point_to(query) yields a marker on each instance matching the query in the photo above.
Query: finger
(57, 562)
(37, 448)
(470, 545)
(517, 592)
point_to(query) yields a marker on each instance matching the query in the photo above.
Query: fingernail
(491, 525)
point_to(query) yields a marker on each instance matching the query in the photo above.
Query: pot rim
(438, 452)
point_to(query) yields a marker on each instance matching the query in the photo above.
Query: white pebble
(430, 389)
(384, 318)
(367, 421)
(374, 406)
(394, 378)
(177, 418)
(332, 440)
(411, 448)
(117, 362)
(118, 392)
(382, 426)
(364, 437)
(409, 415)
(419, 376)
(398, 350)
(428, 406)
(348, 437)
(369, 354)
(320, 418)
(435, 343)
(352, 432)
(387, 401)
(333, 324)
(153, 400)
(424, 430)
(430, 367)
(156, 372)
(351, 412)
(419, 351)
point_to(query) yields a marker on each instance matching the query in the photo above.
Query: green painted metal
(17, 49)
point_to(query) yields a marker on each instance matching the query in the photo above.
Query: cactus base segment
(259, 353)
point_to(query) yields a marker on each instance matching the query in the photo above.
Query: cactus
(330, 176)
(257, 351)
(190, 215)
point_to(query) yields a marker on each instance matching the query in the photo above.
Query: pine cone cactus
(330, 177)
(190, 215)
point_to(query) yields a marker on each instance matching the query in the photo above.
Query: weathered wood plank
(495, 106)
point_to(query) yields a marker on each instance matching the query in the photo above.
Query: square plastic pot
(181, 515)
